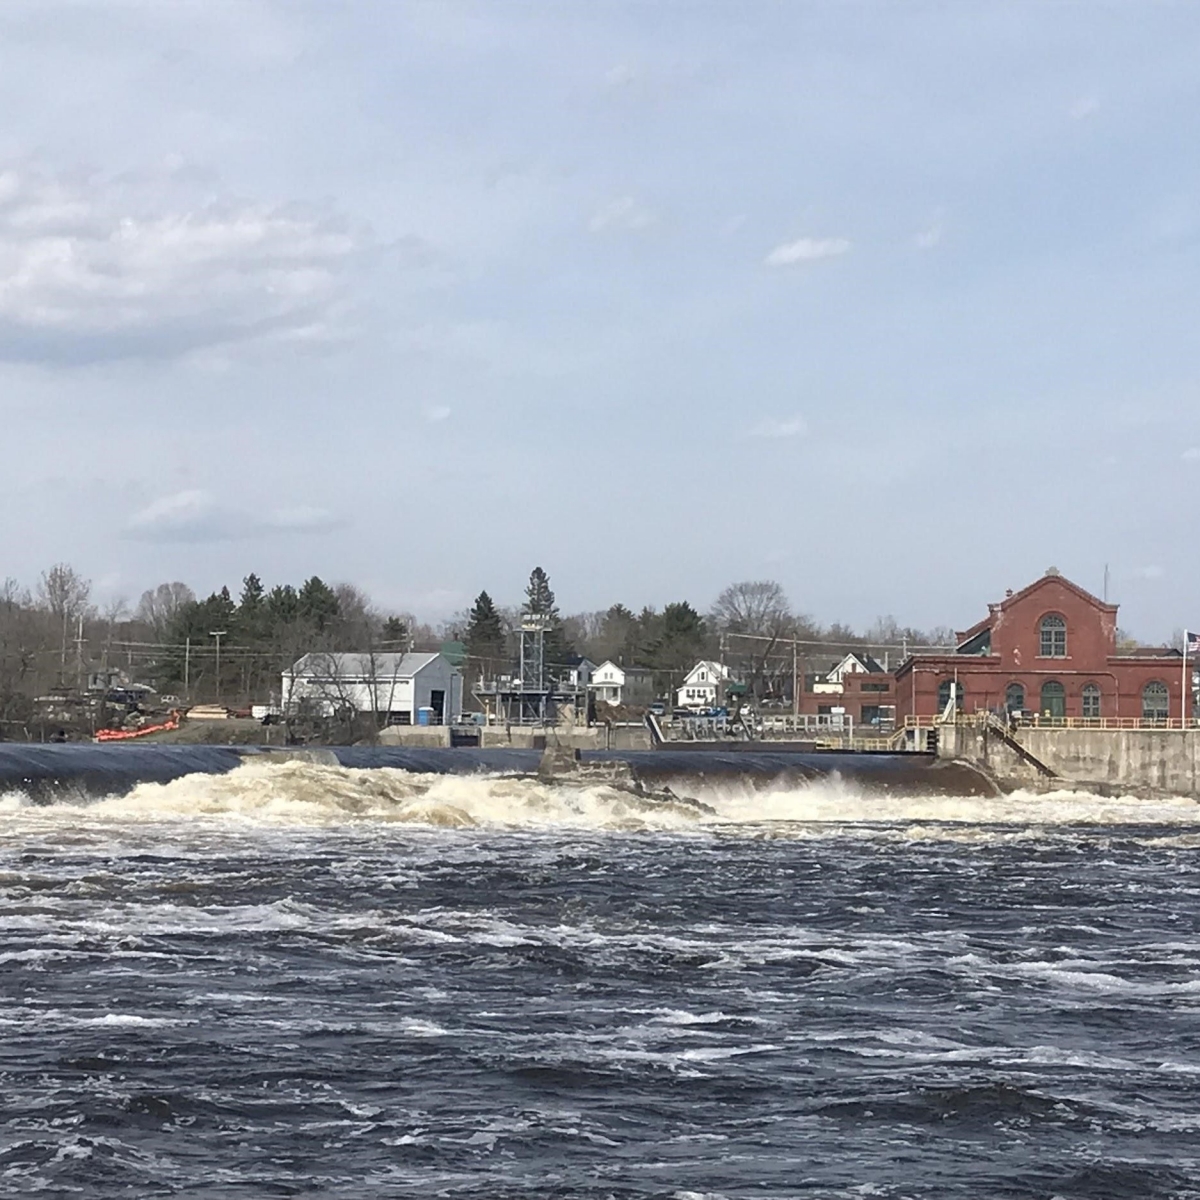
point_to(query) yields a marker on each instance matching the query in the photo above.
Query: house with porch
(703, 686)
(614, 684)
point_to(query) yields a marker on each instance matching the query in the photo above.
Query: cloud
(96, 267)
(1151, 572)
(437, 412)
(1191, 454)
(624, 214)
(1083, 107)
(197, 516)
(773, 427)
(806, 250)
(928, 238)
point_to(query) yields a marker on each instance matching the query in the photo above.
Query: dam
(45, 773)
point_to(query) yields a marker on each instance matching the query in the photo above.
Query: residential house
(614, 684)
(703, 686)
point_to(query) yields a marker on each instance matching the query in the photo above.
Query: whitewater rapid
(296, 979)
(309, 794)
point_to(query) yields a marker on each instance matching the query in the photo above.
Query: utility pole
(795, 682)
(218, 634)
(187, 669)
(79, 656)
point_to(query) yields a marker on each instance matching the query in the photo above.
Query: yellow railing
(1037, 721)
(854, 743)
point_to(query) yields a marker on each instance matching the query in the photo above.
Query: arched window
(944, 695)
(1053, 642)
(1054, 699)
(1014, 697)
(1091, 700)
(1154, 701)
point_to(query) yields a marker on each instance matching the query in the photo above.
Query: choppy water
(307, 981)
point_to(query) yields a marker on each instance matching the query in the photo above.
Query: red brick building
(857, 686)
(1050, 648)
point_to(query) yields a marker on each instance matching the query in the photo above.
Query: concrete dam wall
(1130, 760)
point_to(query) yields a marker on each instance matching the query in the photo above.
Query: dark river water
(294, 980)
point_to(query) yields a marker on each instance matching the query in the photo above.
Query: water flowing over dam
(53, 771)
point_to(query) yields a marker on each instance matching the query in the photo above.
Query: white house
(831, 683)
(392, 687)
(703, 686)
(613, 684)
(578, 672)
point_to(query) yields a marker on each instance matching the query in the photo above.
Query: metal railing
(1040, 721)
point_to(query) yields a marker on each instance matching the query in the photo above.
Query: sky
(894, 303)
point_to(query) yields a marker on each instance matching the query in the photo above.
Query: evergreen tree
(251, 615)
(485, 631)
(680, 639)
(394, 634)
(318, 603)
(283, 607)
(539, 600)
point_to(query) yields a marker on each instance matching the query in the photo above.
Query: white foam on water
(261, 792)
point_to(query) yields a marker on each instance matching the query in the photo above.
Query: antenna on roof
(1106, 583)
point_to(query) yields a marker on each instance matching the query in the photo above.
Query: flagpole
(1183, 688)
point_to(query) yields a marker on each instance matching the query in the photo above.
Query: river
(304, 980)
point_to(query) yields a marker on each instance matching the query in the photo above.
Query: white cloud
(94, 267)
(624, 214)
(1151, 572)
(806, 250)
(197, 516)
(1191, 454)
(774, 427)
(437, 412)
(928, 238)
(620, 75)
(1083, 107)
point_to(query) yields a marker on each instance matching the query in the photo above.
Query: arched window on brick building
(1014, 697)
(1155, 705)
(1054, 699)
(1053, 641)
(1091, 700)
(944, 689)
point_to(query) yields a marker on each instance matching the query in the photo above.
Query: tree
(756, 607)
(159, 606)
(680, 639)
(758, 610)
(64, 593)
(395, 633)
(318, 603)
(539, 596)
(539, 601)
(484, 633)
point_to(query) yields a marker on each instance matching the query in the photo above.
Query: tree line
(56, 637)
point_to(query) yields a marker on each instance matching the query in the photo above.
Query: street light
(218, 634)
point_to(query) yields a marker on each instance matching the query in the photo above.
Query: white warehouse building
(398, 689)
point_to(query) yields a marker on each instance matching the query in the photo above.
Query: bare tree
(758, 609)
(159, 606)
(64, 593)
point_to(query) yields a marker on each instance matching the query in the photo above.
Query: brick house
(1050, 648)
(858, 685)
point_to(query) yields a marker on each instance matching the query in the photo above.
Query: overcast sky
(895, 303)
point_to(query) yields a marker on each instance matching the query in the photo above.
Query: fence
(1040, 721)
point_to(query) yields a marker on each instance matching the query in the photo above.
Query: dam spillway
(45, 773)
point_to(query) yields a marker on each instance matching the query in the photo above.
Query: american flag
(1191, 643)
